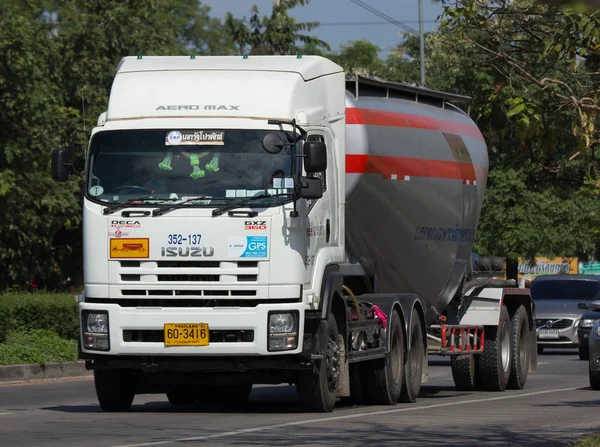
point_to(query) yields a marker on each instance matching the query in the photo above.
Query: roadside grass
(36, 346)
(587, 441)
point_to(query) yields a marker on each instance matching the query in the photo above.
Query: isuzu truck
(270, 219)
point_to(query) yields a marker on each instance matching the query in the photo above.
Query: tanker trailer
(312, 229)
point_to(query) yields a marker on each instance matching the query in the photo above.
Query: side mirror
(582, 306)
(594, 305)
(61, 161)
(310, 188)
(315, 157)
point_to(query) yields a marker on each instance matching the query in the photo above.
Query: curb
(25, 373)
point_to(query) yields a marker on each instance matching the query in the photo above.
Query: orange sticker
(129, 248)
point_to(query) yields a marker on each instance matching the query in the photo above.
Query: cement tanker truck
(268, 219)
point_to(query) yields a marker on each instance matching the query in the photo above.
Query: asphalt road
(556, 407)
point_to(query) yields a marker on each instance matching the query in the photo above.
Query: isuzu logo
(193, 252)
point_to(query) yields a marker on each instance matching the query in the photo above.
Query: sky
(338, 18)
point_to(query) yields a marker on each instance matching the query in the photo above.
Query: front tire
(115, 389)
(318, 387)
(495, 360)
(584, 352)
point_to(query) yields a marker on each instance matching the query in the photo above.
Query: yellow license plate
(186, 334)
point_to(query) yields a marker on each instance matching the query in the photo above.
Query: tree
(553, 55)
(275, 34)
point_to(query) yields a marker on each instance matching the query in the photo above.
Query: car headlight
(283, 331)
(587, 322)
(95, 330)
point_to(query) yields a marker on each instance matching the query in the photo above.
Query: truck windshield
(173, 165)
(564, 289)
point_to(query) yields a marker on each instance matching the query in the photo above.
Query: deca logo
(255, 246)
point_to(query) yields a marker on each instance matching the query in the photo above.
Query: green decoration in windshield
(197, 172)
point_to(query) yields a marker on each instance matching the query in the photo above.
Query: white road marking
(348, 416)
(4, 414)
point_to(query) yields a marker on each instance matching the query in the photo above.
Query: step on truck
(269, 219)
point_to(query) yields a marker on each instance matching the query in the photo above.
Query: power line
(369, 23)
(384, 16)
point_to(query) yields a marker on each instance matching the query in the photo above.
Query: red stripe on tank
(372, 117)
(414, 167)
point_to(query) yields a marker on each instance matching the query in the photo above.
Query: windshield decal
(194, 137)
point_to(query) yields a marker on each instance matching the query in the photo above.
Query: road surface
(556, 407)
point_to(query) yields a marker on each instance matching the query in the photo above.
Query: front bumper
(565, 338)
(126, 320)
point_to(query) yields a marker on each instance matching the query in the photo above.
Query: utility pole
(421, 42)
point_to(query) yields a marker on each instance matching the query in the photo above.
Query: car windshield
(564, 289)
(175, 165)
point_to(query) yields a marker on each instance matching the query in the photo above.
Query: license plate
(186, 334)
(548, 333)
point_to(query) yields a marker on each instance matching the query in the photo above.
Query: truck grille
(557, 323)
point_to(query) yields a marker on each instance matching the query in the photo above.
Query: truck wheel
(385, 375)
(495, 360)
(115, 389)
(413, 368)
(180, 395)
(318, 387)
(584, 352)
(520, 351)
(464, 372)
(594, 380)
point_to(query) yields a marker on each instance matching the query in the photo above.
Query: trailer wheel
(495, 360)
(464, 372)
(520, 350)
(413, 368)
(594, 380)
(115, 389)
(180, 395)
(385, 375)
(318, 387)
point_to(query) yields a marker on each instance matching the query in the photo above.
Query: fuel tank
(416, 171)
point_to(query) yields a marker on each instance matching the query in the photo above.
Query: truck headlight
(95, 330)
(283, 331)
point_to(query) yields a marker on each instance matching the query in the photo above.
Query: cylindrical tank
(416, 172)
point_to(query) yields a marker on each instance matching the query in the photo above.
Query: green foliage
(57, 62)
(277, 34)
(36, 347)
(24, 311)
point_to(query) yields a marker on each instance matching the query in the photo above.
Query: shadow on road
(263, 400)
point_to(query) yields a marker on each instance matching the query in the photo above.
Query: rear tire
(385, 375)
(584, 353)
(464, 372)
(413, 368)
(115, 389)
(318, 387)
(495, 360)
(520, 352)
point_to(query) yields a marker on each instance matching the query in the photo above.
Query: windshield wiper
(161, 211)
(119, 206)
(245, 201)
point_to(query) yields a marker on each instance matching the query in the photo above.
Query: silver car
(557, 311)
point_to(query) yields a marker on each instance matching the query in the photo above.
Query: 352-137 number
(180, 239)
